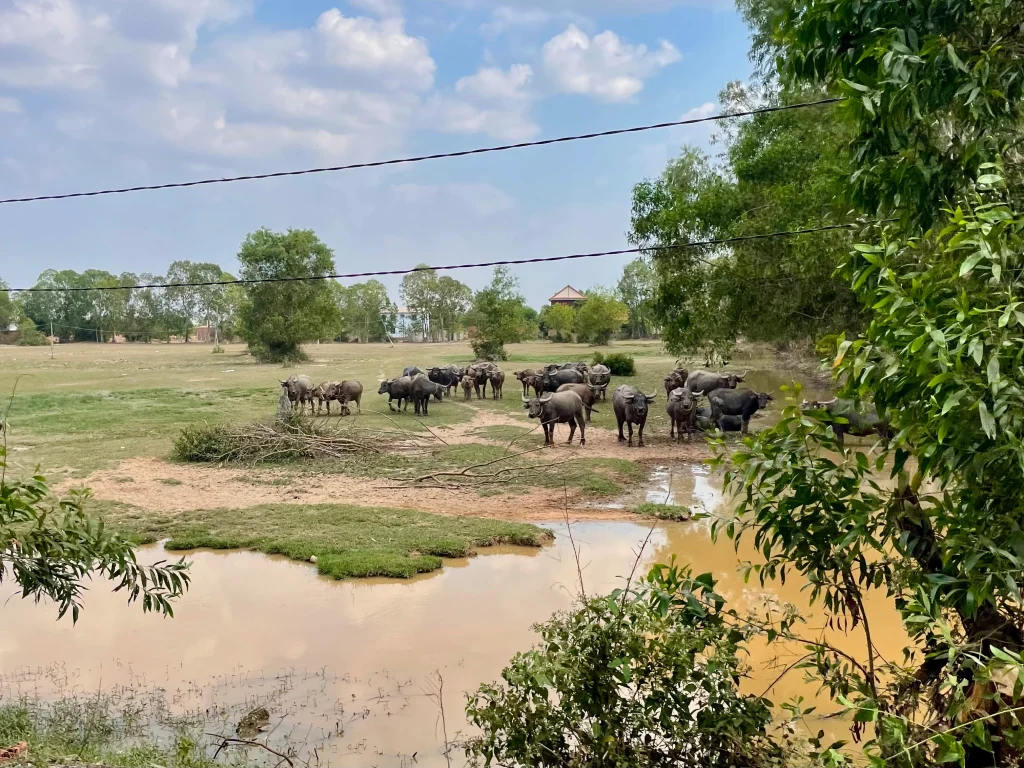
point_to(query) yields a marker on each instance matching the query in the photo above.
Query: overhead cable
(422, 158)
(652, 249)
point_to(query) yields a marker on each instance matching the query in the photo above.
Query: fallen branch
(226, 740)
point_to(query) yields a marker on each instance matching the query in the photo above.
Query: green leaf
(970, 263)
(987, 422)
(993, 370)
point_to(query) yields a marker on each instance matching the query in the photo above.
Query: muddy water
(348, 668)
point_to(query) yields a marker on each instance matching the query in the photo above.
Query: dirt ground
(158, 485)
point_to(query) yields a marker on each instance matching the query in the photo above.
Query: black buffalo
(397, 389)
(559, 408)
(743, 403)
(422, 390)
(847, 419)
(552, 380)
(705, 382)
(447, 376)
(631, 407)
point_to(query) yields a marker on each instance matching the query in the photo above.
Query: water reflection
(345, 666)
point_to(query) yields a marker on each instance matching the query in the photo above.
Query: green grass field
(346, 541)
(93, 405)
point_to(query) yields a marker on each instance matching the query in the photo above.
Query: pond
(352, 668)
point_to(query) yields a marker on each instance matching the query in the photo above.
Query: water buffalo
(525, 378)
(447, 376)
(558, 408)
(737, 402)
(588, 394)
(705, 382)
(847, 419)
(600, 376)
(397, 389)
(421, 392)
(631, 408)
(340, 392)
(676, 380)
(412, 371)
(300, 392)
(481, 373)
(682, 411)
(497, 379)
(468, 384)
(552, 380)
(581, 367)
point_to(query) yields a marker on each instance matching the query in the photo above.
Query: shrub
(650, 678)
(618, 363)
(485, 348)
(32, 337)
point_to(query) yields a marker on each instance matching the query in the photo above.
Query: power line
(423, 158)
(505, 262)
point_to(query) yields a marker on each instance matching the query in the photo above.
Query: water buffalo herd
(567, 393)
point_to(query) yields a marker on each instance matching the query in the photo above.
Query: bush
(32, 337)
(277, 353)
(486, 349)
(618, 363)
(646, 679)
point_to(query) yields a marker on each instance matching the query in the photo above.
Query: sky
(102, 93)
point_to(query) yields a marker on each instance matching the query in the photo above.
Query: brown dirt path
(158, 485)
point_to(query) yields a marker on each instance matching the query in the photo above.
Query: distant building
(569, 296)
(412, 324)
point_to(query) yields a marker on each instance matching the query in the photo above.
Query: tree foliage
(367, 313)
(443, 301)
(560, 318)
(779, 171)
(600, 317)
(646, 678)
(9, 311)
(276, 318)
(50, 547)
(636, 289)
(498, 317)
(139, 314)
(938, 104)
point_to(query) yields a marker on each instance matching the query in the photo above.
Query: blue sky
(97, 93)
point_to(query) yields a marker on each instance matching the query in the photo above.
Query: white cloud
(507, 17)
(707, 109)
(494, 83)
(381, 47)
(603, 66)
(505, 122)
(9, 105)
(492, 101)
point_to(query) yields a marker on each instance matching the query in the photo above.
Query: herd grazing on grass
(697, 402)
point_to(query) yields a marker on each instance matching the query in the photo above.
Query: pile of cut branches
(292, 440)
(500, 471)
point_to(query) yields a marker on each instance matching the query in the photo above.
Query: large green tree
(498, 317)
(779, 171)
(443, 301)
(560, 318)
(936, 96)
(600, 317)
(636, 289)
(367, 311)
(277, 317)
(9, 310)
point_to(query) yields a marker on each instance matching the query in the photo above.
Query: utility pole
(51, 339)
